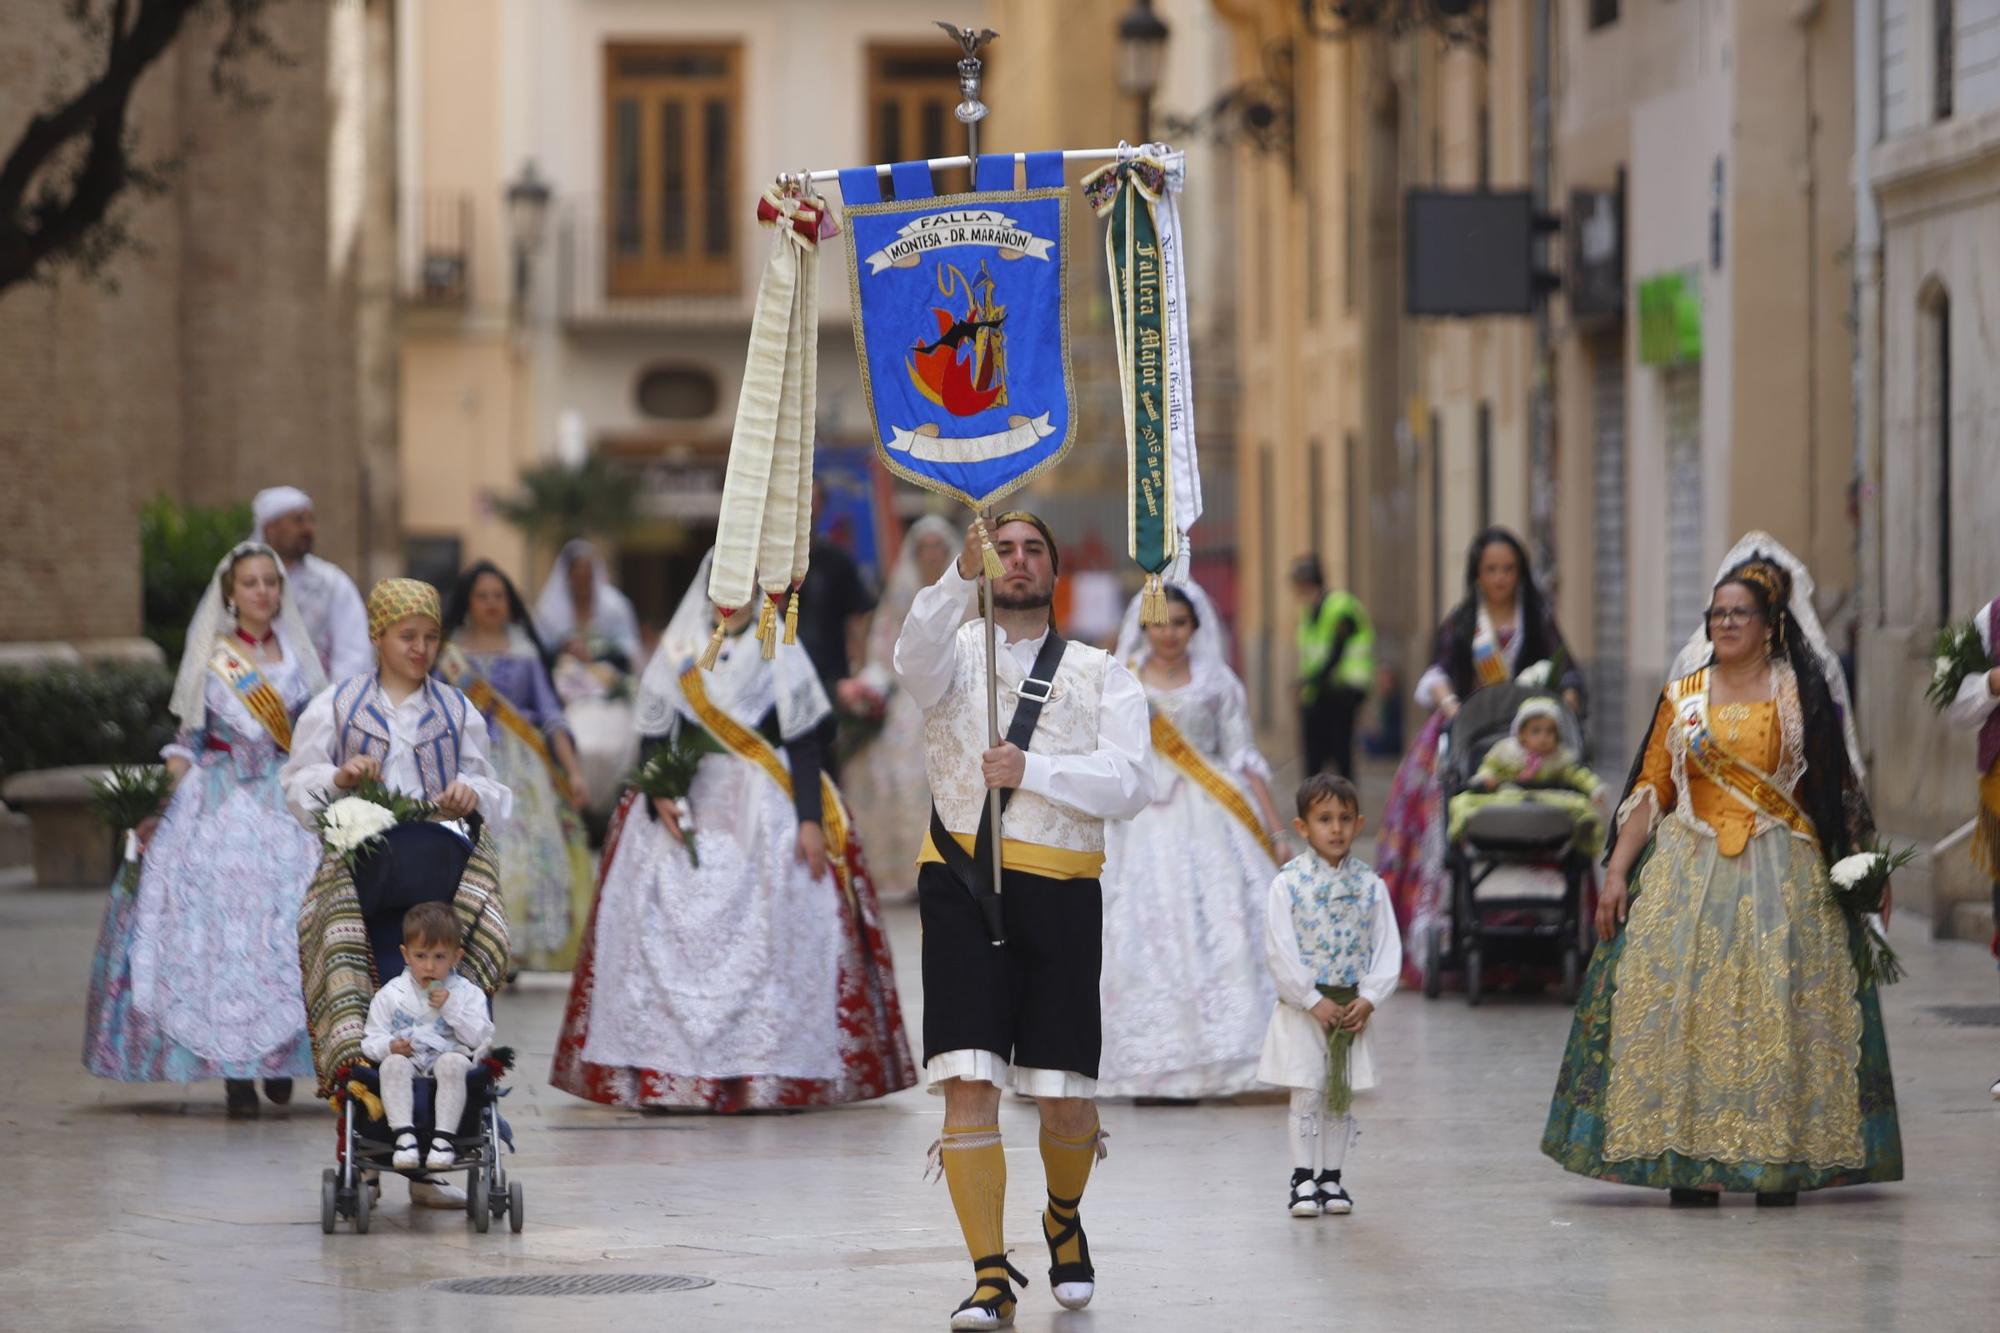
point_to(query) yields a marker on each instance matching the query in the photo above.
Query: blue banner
(961, 323)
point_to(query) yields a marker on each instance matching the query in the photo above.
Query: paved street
(152, 1212)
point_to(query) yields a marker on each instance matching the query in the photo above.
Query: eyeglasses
(1732, 616)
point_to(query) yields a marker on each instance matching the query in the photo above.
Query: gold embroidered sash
(457, 669)
(1736, 775)
(745, 743)
(241, 675)
(1986, 837)
(1175, 749)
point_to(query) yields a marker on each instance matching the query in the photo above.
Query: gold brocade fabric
(1736, 1035)
(1986, 838)
(1750, 731)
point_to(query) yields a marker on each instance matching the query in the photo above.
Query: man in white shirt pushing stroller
(427, 1020)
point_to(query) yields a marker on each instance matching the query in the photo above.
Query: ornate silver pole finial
(971, 110)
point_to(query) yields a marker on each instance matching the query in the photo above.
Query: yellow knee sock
(975, 1169)
(1067, 1163)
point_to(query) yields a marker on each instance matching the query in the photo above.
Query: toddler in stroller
(426, 894)
(426, 1020)
(1522, 831)
(1532, 765)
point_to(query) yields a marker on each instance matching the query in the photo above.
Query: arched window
(1935, 390)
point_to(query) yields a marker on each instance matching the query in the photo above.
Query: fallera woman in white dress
(1186, 994)
(754, 972)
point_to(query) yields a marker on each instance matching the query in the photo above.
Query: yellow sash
(457, 669)
(744, 743)
(241, 675)
(1986, 838)
(1174, 748)
(1738, 776)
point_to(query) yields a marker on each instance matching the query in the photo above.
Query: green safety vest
(1356, 668)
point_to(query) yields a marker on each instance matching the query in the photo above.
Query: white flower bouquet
(1956, 654)
(351, 824)
(1539, 676)
(1858, 884)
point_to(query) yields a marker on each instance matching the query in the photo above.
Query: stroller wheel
(1572, 974)
(361, 1209)
(476, 1200)
(329, 1200)
(515, 1216)
(1434, 966)
(1472, 977)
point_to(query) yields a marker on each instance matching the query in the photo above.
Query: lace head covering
(905, 581)
(214, 616)
(392, 600)
(1539, 706)
(744, 685)
(1206, 648)
(1829, 791)
(611, 614)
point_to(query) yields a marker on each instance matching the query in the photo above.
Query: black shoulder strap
(976, 871)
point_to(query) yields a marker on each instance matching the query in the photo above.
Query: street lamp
(1142, 49)
(527, 220)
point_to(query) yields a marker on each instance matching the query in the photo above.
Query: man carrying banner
(1024, 1012)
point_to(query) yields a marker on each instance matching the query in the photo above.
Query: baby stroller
(1519, 876)
(418, 863)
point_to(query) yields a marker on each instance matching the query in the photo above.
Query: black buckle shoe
(1778, 1198)
(1332, 1196)
(240, 1097)
(1681, 1198)
(278, 1091)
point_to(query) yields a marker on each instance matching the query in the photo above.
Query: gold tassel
(360, 1092)
(710, 654)
(994, 569)
(1153, 602)
(767, 628)
(792, 619)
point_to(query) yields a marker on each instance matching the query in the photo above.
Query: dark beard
(1033, 601)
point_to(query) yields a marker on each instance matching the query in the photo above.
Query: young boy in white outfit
(427, 1020)
(1331, 942)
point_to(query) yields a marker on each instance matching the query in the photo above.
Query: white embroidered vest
(955, 738)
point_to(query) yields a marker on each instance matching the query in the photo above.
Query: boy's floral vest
(1333, 916)
(361, 726)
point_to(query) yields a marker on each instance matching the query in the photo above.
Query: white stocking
(450, 1073)
(398, 1078)
(1336, 1132)
(1304, 1122)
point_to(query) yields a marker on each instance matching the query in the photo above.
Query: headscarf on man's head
(392, 600)
(1034, 521)
(275, 502)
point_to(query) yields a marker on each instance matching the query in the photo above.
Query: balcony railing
(600, 287)
(440, 271)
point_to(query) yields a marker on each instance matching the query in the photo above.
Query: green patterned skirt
(1724, 940)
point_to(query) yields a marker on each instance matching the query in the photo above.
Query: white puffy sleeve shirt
(1113, 781)
(1976, 700)
(309, 771)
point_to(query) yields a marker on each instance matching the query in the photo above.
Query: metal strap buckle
(1047, 689)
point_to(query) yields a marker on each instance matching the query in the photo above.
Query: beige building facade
(1629, 465)
(1927, 172)
(657, 127)
(241, 343)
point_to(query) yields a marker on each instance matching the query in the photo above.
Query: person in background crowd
(492, 654)
(1501, 628)
(1336, 666)
(197, 973)
(834, 609)
(1977, 708)
(590, 627)
(885, 781)
(327, 600)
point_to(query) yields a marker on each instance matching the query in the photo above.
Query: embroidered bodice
(1333, 916)
(1213, 714)
(1768, 734)
(229, 723)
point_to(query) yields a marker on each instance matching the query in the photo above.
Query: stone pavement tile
(136, 1207)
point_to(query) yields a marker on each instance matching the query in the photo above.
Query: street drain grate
(1968, 1015)
(572, 1284)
